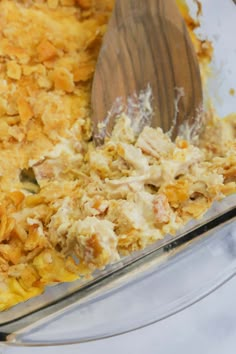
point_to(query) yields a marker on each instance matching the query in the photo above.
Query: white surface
(218, 24)
(207, 327)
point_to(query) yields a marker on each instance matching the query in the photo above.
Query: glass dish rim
(184, 239)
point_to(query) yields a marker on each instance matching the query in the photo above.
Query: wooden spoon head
(147, 45)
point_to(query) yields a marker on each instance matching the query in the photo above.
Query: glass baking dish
(162, 279)
(138, 290)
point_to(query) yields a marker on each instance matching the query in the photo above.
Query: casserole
(110, 274)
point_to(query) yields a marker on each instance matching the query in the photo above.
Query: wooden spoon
(147, 43)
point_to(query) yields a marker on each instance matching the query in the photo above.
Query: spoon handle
(147, 43)
(138, 9)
